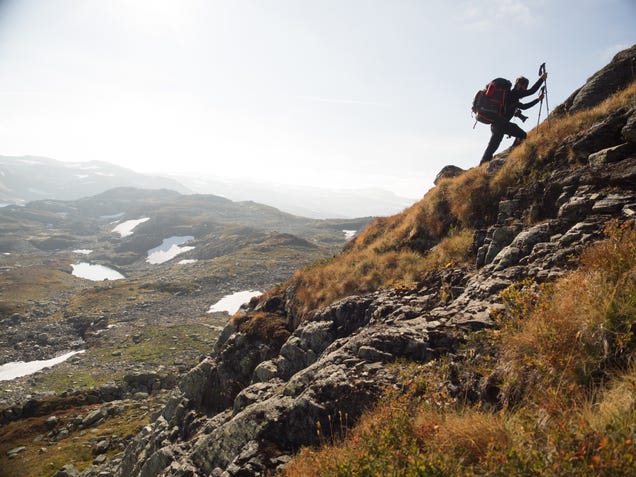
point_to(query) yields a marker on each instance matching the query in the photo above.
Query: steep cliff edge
(285, 369)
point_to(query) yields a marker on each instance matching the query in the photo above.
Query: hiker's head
(521, 83)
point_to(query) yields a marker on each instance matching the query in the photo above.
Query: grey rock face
(629, 130)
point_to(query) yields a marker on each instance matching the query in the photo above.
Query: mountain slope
(79, 222)
(422, 306)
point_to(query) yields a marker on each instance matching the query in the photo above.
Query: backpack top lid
(497, 84)
(502, 82)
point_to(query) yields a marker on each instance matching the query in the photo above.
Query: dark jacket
(513, 103)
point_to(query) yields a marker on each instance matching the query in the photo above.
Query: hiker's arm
(536, 86)
(530, 104)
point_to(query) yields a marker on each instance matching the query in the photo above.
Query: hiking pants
(498, 131)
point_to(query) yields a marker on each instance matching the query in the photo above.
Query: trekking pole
(540, 106)
(542, 70)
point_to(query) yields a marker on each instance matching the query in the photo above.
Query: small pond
(126, 228)
(95, 272)
(169, 248)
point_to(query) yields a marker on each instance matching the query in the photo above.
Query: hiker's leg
(497, 135)
(511, 129)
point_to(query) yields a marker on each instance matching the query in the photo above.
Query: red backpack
(488, 105)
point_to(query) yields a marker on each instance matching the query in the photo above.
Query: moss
(266, 327)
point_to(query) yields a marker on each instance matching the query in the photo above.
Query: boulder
(603, 134)
(610, 154)
(51, 422)
(448, 172)
(93, 417)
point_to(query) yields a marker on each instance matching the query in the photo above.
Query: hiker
(503, 125)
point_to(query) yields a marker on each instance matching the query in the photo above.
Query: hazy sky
(351, 93)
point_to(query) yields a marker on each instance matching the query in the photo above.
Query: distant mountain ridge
(27, 178)
(315, 202)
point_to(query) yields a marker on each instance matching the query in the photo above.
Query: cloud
(516, 10)
(484, 15)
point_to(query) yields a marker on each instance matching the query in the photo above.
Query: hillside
(169, 258)
(486, 330)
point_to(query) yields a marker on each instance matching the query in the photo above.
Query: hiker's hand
(544, 76)
(542, 94)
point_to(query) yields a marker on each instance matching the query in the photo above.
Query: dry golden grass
(583, 325)
(267, 327)
(373, 268)
(470, 198)
(469, 435)
(615, 406)
(391, 251)
(579, 328)
(396, 438)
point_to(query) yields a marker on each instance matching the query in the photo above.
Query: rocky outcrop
(447, 172)
(618, 74)
(249, 406)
